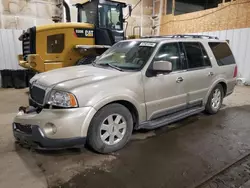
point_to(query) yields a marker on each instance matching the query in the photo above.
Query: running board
(165, 120)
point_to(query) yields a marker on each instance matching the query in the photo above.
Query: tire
(214, 104)
(101, 126)
(86, 60)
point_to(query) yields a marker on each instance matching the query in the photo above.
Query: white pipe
(159, 17)
(141, 17)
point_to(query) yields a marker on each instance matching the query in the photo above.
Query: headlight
(62, 99)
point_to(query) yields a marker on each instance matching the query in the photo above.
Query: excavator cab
(107, 16)
(99, 25)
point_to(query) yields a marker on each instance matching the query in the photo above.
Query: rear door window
(207, 61)
(222, 53)
(196, 55)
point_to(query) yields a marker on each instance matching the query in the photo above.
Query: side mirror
(162, 66)
(130, 10)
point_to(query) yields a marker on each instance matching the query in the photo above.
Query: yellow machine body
(99, 25)
(42, 60)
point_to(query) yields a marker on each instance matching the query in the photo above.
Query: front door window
(170, 52)
(163, 94)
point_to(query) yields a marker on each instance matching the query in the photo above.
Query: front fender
(140, 107)
(125, 87)
(98, 103)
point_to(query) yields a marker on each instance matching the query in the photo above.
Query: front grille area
(23, 128)
(26, 44)
(37, 94)
(29, 42)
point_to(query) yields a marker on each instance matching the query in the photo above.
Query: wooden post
(173, 6)
(165, 7)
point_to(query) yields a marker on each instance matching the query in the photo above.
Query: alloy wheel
(216, 99)
(113, 129)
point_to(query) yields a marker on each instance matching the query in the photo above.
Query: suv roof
(179, 38)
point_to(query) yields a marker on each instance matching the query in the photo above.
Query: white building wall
(22, 14)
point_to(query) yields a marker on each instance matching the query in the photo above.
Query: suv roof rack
(194, 36)
(183, 36)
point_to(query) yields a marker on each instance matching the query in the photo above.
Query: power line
(133, 8)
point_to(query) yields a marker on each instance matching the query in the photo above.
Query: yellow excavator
(99, 25)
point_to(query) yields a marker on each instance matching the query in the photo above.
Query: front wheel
(215, 100)
(110, 128)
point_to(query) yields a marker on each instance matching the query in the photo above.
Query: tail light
(235, 71)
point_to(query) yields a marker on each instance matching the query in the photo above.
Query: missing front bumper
(35, 139)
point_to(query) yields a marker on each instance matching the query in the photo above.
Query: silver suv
(136, 84)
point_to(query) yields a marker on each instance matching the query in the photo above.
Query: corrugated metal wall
(10, 47)
(239, 40)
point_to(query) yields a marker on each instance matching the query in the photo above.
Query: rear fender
(212, 87)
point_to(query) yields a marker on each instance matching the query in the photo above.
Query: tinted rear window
(222, 53)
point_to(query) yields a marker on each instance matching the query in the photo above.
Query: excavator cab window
(87, 13)
(103, 15)
(110, 16)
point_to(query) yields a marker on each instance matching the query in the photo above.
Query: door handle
(179, 79)
(210, 74)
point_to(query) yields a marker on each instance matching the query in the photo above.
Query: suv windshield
(129, 55)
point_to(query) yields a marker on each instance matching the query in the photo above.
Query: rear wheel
(86, 60)
(110, 128)
(215, 100)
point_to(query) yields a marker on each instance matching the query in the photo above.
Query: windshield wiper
(115, 67)
(93, 63)
(112, 66)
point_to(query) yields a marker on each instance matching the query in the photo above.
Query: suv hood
(89, 74)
